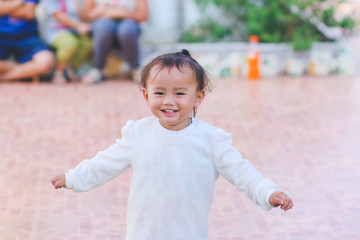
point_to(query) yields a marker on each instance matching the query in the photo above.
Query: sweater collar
(172, 132)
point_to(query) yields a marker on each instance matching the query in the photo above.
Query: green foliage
(272, 20)
(200, 33)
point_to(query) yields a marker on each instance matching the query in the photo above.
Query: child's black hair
(179, 60)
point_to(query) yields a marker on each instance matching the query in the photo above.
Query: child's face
(172, 95)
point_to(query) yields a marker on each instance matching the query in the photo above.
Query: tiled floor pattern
(304, 133)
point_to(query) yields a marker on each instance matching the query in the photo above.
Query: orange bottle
(253, 57)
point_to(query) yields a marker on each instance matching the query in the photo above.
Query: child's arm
(72, 23)
(281, 199)
(26, 11)
(103, 167)
(140, 14)
(7, 7)
(59, 181)
(94, 172)
(243, 175)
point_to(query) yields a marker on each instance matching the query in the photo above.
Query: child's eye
(180, 93)
(159, 93)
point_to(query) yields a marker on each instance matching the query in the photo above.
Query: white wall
(167, 19)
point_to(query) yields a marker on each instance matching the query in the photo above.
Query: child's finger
(54, 180)
(58, 184)
(288, 205)
(55, 183)
(285, 207)
(291, 204)
(278, 201)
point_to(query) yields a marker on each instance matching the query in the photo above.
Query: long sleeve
(240, 172)
(106, 164)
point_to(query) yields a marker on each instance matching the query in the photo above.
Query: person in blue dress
(23, 54)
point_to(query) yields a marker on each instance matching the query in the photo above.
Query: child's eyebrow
(175, 89)
(158, 88)
(181, 88)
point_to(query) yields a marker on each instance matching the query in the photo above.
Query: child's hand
(97, 12)
(83, 28)
(59, 181)
(281, 199)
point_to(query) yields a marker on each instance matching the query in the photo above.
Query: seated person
(19, 38)
(115, 21)
(68, 35)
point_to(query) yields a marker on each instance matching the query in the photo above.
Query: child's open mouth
(169, 111)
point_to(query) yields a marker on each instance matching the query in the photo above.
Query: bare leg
(6, 65)
(41, 63)
(59, 76)
(35, 79)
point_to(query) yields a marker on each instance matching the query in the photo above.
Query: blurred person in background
(115, 24)
(68, 34)
(19, 38)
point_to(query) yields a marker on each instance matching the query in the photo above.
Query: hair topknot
(185, 52)
(179, 60)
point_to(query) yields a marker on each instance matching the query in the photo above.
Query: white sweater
(174, 174)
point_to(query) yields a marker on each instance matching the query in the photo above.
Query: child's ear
(146, 95)
(200, 97)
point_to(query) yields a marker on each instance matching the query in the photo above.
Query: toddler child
(175, 157)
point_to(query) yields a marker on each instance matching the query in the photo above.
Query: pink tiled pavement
(304, 133)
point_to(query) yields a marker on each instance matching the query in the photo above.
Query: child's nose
(169, 100)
